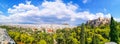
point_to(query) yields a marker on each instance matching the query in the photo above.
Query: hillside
(76, 35)
(99, 21)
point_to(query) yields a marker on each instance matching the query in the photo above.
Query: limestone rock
(99, 21)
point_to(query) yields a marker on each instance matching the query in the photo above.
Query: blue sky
(57, 11)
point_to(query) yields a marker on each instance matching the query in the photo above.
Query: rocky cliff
(99, 21)
(5, 38)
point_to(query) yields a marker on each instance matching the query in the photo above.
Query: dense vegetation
(83, 34)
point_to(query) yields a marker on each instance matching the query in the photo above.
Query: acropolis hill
(99, 21)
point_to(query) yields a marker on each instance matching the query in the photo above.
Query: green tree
(60, 38)
(17, 36)
(114, 34)
(30, 39)
(42, 42)
(82, 34)
(49, 39)
(95, 39)
(23, 37)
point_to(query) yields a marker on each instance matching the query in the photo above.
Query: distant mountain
(98, 22)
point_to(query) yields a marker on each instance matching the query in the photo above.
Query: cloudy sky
(73, 12)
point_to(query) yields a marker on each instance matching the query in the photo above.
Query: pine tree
(82, 34)
(114, 34)
(94, 38)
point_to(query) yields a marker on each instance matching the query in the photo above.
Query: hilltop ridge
(99, 21)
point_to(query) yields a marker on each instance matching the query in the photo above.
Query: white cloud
(85, 1)
(1, 12)
(117, 19)
(86, 15)
(47, 12)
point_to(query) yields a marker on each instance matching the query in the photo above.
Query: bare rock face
(5, 38)
(99, 21)
(110, 43)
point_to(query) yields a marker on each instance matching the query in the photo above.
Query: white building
(47, 27)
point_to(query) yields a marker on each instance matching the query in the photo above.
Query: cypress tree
(82, 34)
(95, 39)
(114, 34)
